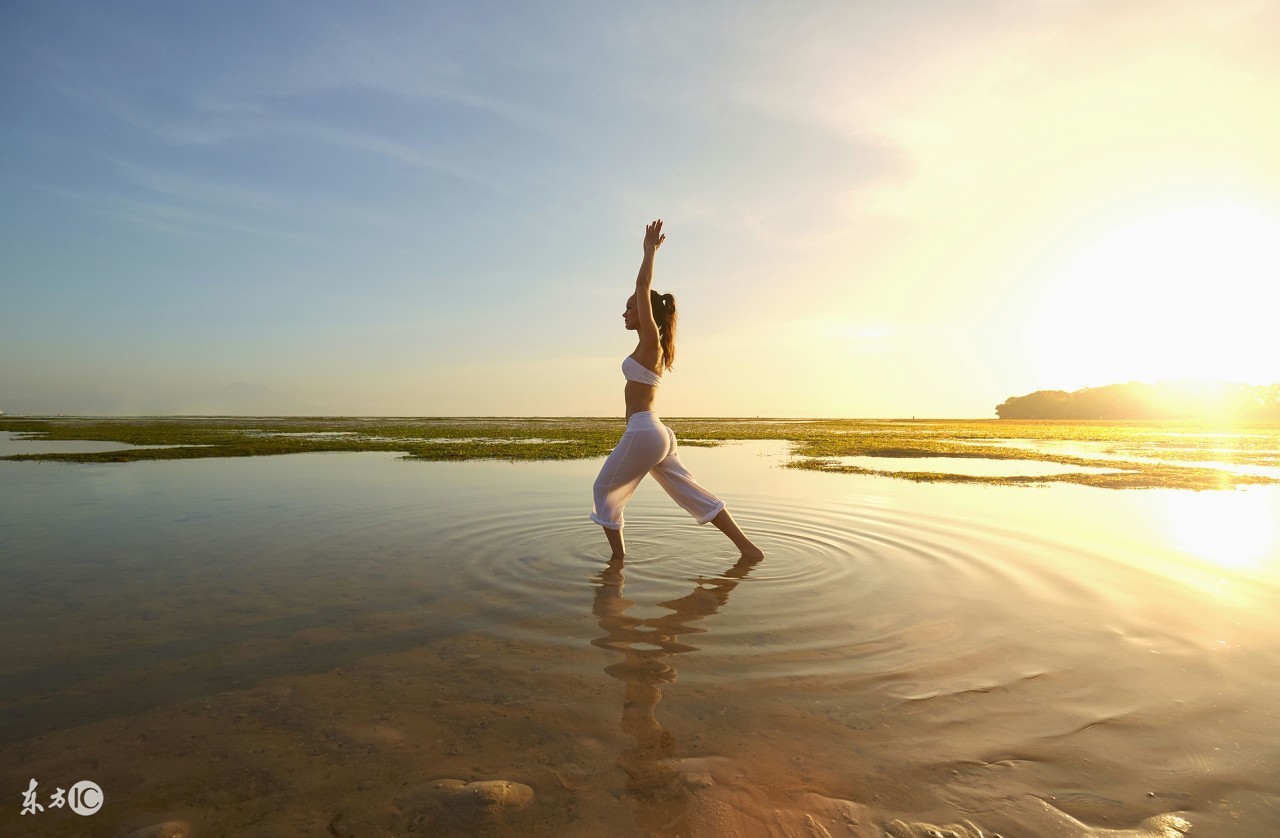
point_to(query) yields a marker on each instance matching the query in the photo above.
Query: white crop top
(632, 370)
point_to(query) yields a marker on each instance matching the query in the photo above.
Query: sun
(1184, 292)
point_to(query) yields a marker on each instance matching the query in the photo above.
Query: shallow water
(17, 443)
(12, 443)
(977, 466)
(1096, 450)
(297, 644)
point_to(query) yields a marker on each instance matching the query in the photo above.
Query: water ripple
(852, 587)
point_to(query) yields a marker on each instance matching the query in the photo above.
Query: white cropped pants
(648, 447)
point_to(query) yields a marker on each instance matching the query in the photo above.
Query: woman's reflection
(645, 645)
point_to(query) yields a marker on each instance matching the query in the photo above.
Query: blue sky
(431, 209)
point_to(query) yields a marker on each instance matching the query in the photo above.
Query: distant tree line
(1140, 400)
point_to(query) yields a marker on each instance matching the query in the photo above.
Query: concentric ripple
(852, 587)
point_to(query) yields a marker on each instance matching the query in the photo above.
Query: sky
(872, 209)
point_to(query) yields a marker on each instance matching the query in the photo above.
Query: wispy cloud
(167, 216)
(423, 158)
(208, 191)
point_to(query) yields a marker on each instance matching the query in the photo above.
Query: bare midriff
(640, 397)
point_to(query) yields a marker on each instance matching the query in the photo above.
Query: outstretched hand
(653, 237)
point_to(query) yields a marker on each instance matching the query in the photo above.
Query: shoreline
(1105, 454)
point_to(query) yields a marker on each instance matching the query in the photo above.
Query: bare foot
(725, 523)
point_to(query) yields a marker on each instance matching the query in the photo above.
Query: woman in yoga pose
(648, 446)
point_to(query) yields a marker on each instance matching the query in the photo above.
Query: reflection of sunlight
(1231, 529)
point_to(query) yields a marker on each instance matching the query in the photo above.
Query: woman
(648, 446)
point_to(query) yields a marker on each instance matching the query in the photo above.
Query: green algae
(1136, 455)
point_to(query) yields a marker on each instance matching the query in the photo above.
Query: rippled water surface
(303, 644)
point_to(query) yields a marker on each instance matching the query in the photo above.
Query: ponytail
(664, 314)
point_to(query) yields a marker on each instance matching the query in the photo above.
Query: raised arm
(653, 239)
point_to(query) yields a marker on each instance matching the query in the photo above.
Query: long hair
(664, 314)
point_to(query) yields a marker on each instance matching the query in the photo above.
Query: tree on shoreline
(1139, 400)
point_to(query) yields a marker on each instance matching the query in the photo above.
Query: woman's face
(629, 316)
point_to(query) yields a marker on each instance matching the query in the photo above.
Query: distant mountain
(1140, 400)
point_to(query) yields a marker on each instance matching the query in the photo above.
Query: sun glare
(1231, 529)
(1183, 293)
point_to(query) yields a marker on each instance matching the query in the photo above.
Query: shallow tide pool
(305, 644)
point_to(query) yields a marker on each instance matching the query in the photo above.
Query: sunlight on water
(1236, 530)
(309, 643)
(967, 465)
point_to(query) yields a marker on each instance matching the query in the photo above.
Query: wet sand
(341, 643)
